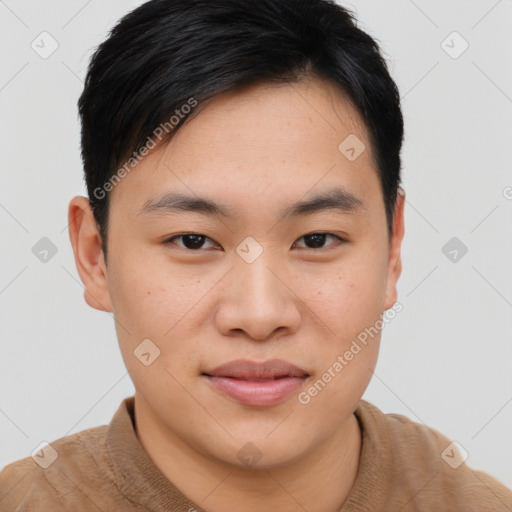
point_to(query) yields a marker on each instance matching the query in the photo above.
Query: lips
(257, 384)
(250, 370)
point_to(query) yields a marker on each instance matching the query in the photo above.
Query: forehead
(268, 119)
(259, 145)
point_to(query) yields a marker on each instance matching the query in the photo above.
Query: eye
(317, 240)
(196, 241)
(191, 241)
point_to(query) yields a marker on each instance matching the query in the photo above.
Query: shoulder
(59, 475)
(430, 468)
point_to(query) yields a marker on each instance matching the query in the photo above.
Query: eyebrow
(338, 199)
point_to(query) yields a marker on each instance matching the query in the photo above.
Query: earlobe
(395, 259)
(89, 259)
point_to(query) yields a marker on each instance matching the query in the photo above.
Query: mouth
(257, 384)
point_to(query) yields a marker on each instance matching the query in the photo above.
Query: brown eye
(317, 240)
(191, 241)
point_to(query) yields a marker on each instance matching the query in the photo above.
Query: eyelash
(340, 240)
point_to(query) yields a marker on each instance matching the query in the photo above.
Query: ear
(89, 258)
(395, 260)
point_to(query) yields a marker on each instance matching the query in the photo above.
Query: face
(257, 280)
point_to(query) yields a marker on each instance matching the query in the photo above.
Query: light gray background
(445, 359)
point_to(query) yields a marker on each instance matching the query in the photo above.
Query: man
(244, 225)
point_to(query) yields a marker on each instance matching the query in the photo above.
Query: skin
(257, 151)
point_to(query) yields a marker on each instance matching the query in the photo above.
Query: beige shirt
(404, 466)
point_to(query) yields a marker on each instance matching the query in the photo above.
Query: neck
(317, 482)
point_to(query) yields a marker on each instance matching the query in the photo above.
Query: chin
(260, 453)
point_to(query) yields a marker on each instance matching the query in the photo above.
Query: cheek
(152, 296)
(151, 303)
(350, 304)
(347, 297)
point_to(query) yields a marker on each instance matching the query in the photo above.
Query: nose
(258, 299)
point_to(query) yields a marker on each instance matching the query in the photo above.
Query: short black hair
(168, 56)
